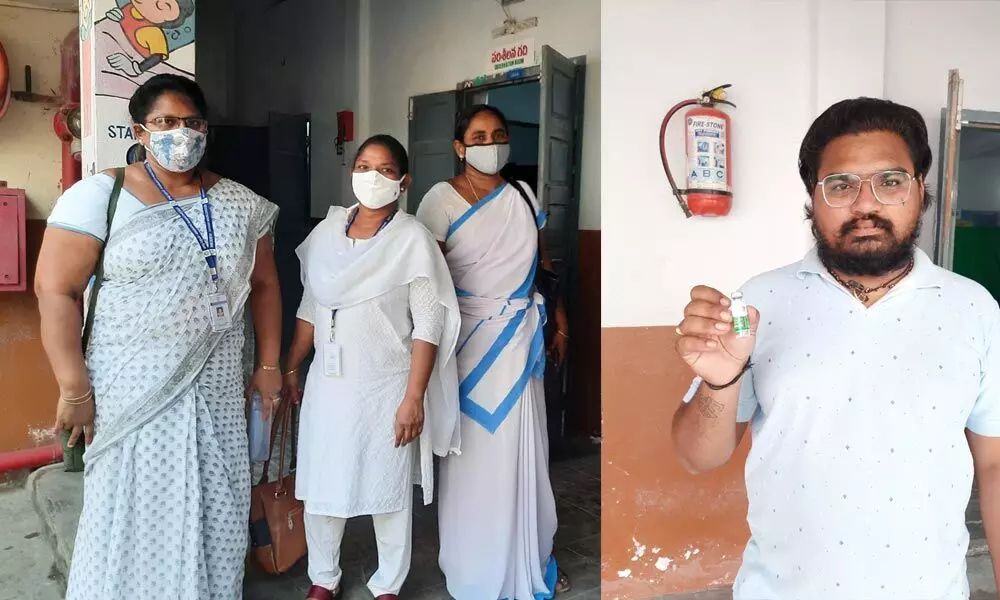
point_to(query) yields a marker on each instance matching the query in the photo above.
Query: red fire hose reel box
(13, 247)
(5, 85)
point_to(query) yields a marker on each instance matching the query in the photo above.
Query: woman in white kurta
(161, 385)
(497, 513)
(379, 309)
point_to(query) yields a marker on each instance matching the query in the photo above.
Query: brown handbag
(277, 529)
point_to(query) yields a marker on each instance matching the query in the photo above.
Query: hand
(268, 385)
(116, 15)
(291, 391)
(409, 420)
(78, 419)
(124, 64)
(706, 340)
(558, 347)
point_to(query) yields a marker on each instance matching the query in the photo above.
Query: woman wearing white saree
(381, 398)
(159, 396)
(497, 513)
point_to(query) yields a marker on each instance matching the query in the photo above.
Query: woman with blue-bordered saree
(497, 512)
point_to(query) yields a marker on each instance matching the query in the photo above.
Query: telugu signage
(514, 55)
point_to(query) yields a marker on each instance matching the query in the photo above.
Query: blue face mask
(177, 150)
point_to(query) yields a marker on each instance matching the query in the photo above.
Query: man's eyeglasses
(841, 190)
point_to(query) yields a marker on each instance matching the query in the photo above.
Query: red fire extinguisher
(709, 190)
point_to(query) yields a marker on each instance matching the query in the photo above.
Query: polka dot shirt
(860, 472)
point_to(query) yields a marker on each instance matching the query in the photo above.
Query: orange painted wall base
(663, 530)
(28, 391)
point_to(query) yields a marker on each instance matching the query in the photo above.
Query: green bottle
(72, 457)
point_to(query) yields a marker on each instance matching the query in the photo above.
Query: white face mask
(177, 150)
(374, 190)
(488, 160)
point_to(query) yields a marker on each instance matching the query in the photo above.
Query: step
(58, 500)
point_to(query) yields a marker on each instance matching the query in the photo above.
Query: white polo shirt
(860, 472)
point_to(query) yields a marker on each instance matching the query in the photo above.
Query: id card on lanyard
(332, 351)
(216, 302)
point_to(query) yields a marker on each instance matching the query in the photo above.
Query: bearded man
(871, 384)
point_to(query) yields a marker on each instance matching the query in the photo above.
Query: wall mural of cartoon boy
(146, 24)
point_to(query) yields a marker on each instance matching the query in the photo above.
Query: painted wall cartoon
(142, 38)
(123, 44)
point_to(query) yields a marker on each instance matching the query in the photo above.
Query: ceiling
(60, 5)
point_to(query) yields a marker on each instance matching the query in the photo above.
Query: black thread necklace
(863, 293)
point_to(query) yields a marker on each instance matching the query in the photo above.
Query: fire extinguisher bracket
(708, 153)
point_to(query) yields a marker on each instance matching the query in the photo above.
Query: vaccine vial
(741, 316)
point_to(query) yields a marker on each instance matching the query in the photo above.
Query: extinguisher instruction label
(706, 153)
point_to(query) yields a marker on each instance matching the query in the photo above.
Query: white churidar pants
(393, 536)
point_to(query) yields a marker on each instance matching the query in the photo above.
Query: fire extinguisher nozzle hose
(663, 154)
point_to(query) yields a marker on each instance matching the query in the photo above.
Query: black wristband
(739, 376)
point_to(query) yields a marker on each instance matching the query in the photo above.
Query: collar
(925, 273)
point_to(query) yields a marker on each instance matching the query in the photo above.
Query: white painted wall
(787, 60)
(926, 38)
(30, 152)
(784, 65)
(432, 45)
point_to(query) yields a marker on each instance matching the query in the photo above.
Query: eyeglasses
(841, 190)
(168, 123)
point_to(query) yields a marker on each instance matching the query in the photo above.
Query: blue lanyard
(207, 245)
(354, 215)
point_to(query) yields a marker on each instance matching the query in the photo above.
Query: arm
(432, 215)
(705, 430)
(983, 433)
(265, 303)
(428, 324)
(302, 345)
(986, 457)
(265, 308)
(710, 423)
(421, 366)
(562, 321)
(65, 264)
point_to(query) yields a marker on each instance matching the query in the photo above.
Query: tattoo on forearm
(709, 407)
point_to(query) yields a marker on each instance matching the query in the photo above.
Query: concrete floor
(26, 558)
(57, 497)
(577, 487)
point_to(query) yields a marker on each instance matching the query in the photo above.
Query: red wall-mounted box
(13, 246)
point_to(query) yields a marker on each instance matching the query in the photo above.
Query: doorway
(520, 102)
(273, 161)
(967, 235)
(976, 248)
(544, 108)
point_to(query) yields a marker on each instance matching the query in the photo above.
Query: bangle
(739, 375)
(79, 399)
(270, 367)
(292, 372)
(562, 333)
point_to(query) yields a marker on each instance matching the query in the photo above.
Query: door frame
(954, 118)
